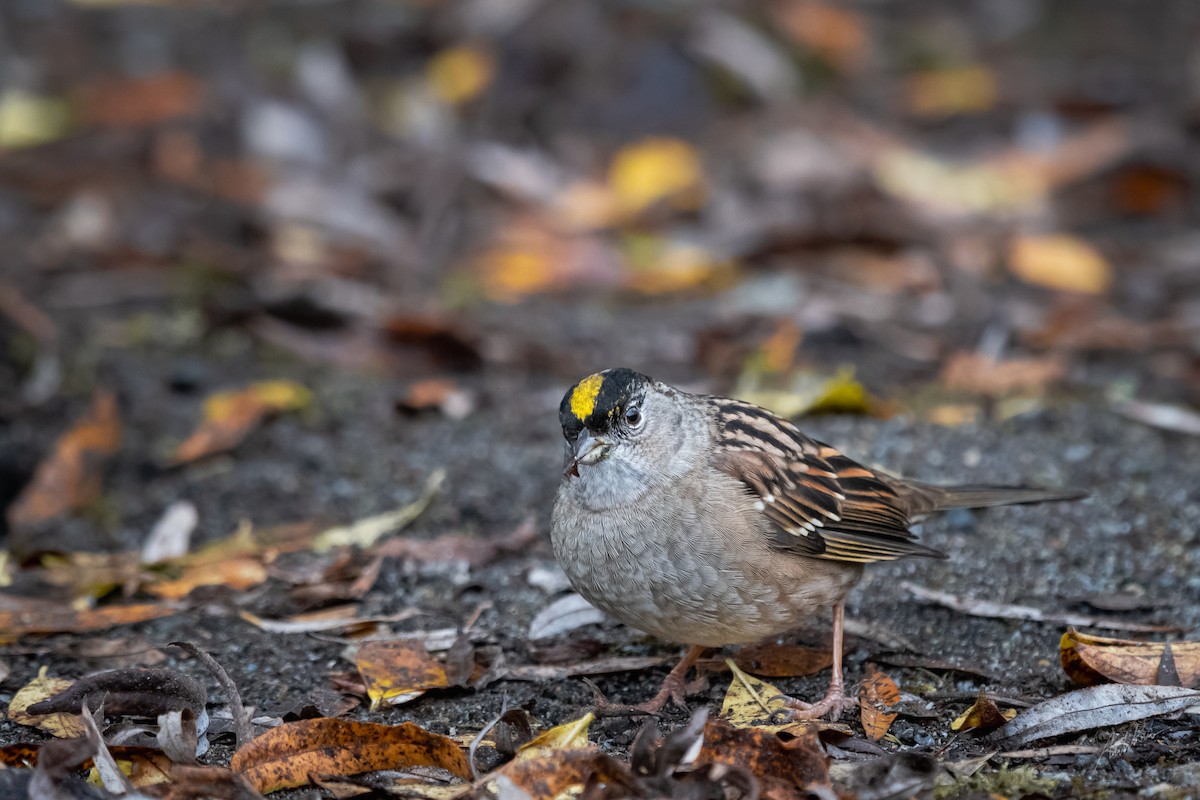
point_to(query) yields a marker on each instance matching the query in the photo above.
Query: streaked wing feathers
(823, 504)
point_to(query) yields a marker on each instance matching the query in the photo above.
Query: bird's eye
(633, 415)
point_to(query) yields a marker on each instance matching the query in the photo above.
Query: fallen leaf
(1089, 660)
(1060, 261)
(438, 394)
(984, 716)
(600, 666)
(749, 701)
(238, 574)
(907, 775)
(660, 265)
(1094, 707)
(809, 392)
(172, 533)
(229, 417)
(657, 170)
(772, 660)
(551, 776)
(786, 770)
(968, 89)
(459, 74)
(141, 101)
(986, 608)
(28, 119)
(14, 624)
(565, 614)
(70, 478)
(836, 33)
(129, 692)
(1176, 419)
(877, 702)
(398, 671)
(571, 735)
(474, 551)
(970, 371)
(60, 724)
(286, 756)
(366, 532)
(334, 618)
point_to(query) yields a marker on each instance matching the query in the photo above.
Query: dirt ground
(976, 222)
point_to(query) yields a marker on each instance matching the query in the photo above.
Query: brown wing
(822, 504)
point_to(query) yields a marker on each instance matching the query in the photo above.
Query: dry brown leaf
(70, 478)
(230, 416)
(550, 776)
(783, 660)
(786, 770)
(401, 670)
(43, 687)
(286, 756)
(979, 374)
(837, 34)
(1089, 660)
(438, 394)
(14, 624)
(236, 573)
(1060, 261)
(142, 101)
(983, 717)
(876, 702)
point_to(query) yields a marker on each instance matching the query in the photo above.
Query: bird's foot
(833, 704)
(674, 690)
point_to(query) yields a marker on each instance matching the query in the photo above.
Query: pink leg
(835, 700)
(673, 689)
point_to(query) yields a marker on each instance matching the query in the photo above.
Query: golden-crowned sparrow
(710, 521)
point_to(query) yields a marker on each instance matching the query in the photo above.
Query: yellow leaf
(958, 90)
(230, 416)
(749, 700)
(660, 266)
(398, 671)
(29, 119)
(1059, 261)
(457, 75)
(657, 170)
(43, 687)
(571, 735)
(366, 532)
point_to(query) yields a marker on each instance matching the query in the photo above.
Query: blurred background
(400, 229)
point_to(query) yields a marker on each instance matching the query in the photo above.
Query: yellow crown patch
(583, 398)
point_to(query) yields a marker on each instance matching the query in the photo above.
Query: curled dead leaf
(229, 417)
(1089, 660)
(70, 478)
(877, 702)
(984, 716)
(286, 756)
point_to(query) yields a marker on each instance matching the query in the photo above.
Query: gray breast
(694, 567)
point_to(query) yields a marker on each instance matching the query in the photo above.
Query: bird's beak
(588, 450)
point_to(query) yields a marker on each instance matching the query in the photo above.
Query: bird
(709, 521)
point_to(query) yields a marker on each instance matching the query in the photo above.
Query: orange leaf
(398, 671)
(230, 416)
(71, 477)
(286, 756)
(837, 34)
(878, 697)
(1060, 262)
(980, 374)
(14, 624)
(1089, 660)
(236, 573)
(142, 101)
(783, 767)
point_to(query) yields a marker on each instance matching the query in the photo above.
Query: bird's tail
(925, 498)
